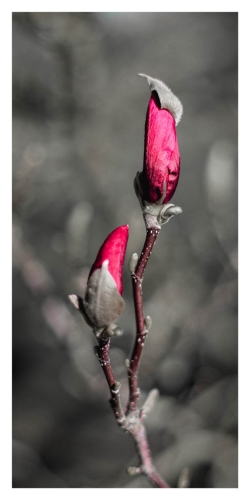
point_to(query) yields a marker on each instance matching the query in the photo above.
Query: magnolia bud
(161, 167)
(103, 302)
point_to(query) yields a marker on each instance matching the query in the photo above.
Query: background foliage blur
(78, 126)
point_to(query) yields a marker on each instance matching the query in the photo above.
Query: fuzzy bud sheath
(161, 152)
(103, 302)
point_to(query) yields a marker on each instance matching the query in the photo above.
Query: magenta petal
(113, 249)
(161, 155)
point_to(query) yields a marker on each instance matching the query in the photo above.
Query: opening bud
(103, 302)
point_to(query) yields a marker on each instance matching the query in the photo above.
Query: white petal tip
(105, 264)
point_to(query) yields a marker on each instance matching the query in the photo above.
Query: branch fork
(131, 420)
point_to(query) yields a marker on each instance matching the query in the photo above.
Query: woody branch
(103, 302)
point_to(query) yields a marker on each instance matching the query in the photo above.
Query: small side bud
(111, 330)
(115, 389)
(133, 262)
(117, 331)
(185, 478)
(127, 363)
(148, 322)
(150, 401)
(133, 470)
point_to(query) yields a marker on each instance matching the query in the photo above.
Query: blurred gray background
(78, 126)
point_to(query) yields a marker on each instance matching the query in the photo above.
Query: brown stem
(130, 423)
(141, 333)
(102, 351)
(140, 437)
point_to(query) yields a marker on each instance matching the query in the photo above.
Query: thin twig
(141, 333)
(138, 430)
(147, 466)
(102, 352)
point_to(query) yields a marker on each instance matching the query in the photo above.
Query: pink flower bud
(113, 250)
(161, 167)
(103, 302)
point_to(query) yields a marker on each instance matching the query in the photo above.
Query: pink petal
(113, 249)
(161, 156)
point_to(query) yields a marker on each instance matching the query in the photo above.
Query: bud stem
(138, 431)
(142, 331)
(102, 351)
